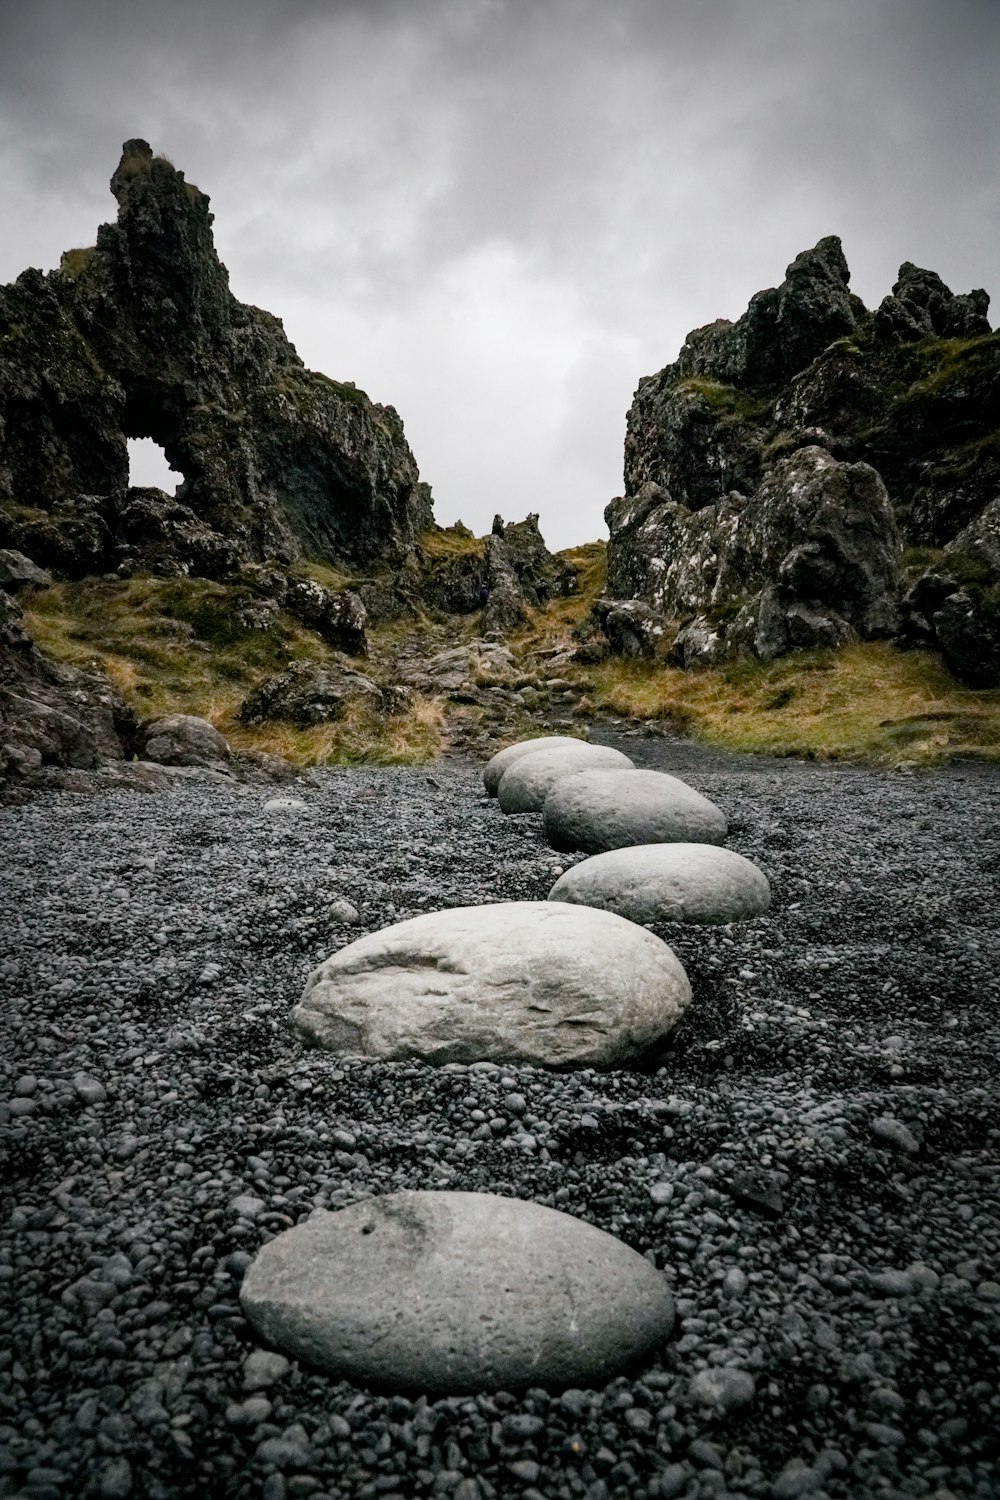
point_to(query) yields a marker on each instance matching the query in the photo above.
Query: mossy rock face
(140, 336)
(911, 392)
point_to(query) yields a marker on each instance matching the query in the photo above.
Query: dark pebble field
(814, 1162)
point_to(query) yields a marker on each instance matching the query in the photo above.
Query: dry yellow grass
(176, 646)
(867, 701)
(359, 737)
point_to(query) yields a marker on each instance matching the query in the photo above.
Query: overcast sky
(498, 214)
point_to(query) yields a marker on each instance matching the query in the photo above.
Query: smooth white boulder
(525, 785)
(505, 758)
(456, 1292)
(603, 809)
(668, 883)
(539, 982)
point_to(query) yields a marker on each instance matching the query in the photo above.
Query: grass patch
(178, 646)
(450, 542)
(330, 577)
(74, 263)
(359, 737)
(865, 702)
(726, 401)
(552, 627)
(942, 364)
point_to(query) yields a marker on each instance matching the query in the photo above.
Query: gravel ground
(815, 1165)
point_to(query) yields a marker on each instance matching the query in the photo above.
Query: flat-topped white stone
(603, 808)
(525, 784)
(456, 1292)
(668, 883)
(540, 982)
(505, 758)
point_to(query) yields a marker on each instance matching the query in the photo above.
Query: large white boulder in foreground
(525, 785)
(456, 1292)
(522, 981)
(603, 809)
(668, 883)
(505, 758)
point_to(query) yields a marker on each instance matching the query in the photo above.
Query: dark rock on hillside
(18, 572)
(308, 693)
(52, 714)
(183, 740)
(715, 528)
(542, 575)
(630, 627)
(503, 574)
(140, 336)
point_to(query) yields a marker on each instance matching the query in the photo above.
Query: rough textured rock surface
(524, 981)
(140, 336)
(183, 740)
(309, 692)
(525, 785)
(456, 1292)
(604, 809)
(630, 627)
(811, 559)
(18, 572)
(503, 574)
(653, 883)
(499, 763)
(912, 392)
(52, 714)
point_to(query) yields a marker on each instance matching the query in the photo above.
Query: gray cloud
(498, 214)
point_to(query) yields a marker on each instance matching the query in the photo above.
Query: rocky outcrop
(308, 693)
(774, 471)
(52, 714)
(140, 336)
(504, 574)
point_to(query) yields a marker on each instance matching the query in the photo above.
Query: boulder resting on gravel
(456, 1292)
(520, 981)
(525, 785)
(495, 768)
(668, 883)
(604, 809)
(183, 740)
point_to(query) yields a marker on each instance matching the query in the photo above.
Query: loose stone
(456, 1292)
(525, 785)
(504, 759)
(603, 809)
(668, 883)
(520, 981)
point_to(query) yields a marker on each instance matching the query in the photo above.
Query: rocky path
(816, 1165)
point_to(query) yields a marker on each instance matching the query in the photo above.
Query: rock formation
(775, 472)
(140, 336)
(53, 714)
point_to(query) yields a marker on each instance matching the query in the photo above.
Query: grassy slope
(176, 645)
(867, 701)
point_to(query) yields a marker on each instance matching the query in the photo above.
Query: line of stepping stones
(453, 1292)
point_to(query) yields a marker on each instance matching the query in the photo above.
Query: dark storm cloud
(498, 214)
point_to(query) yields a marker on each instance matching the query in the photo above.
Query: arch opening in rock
(148, 467)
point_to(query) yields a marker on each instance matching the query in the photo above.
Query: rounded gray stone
(525, 785)
(505, 758)
(540, 982)
(602, 809)
(725, 1389)
(456, 1292)
(668, 883)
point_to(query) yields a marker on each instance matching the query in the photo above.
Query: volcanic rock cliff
(140, 336)
(776, 472)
